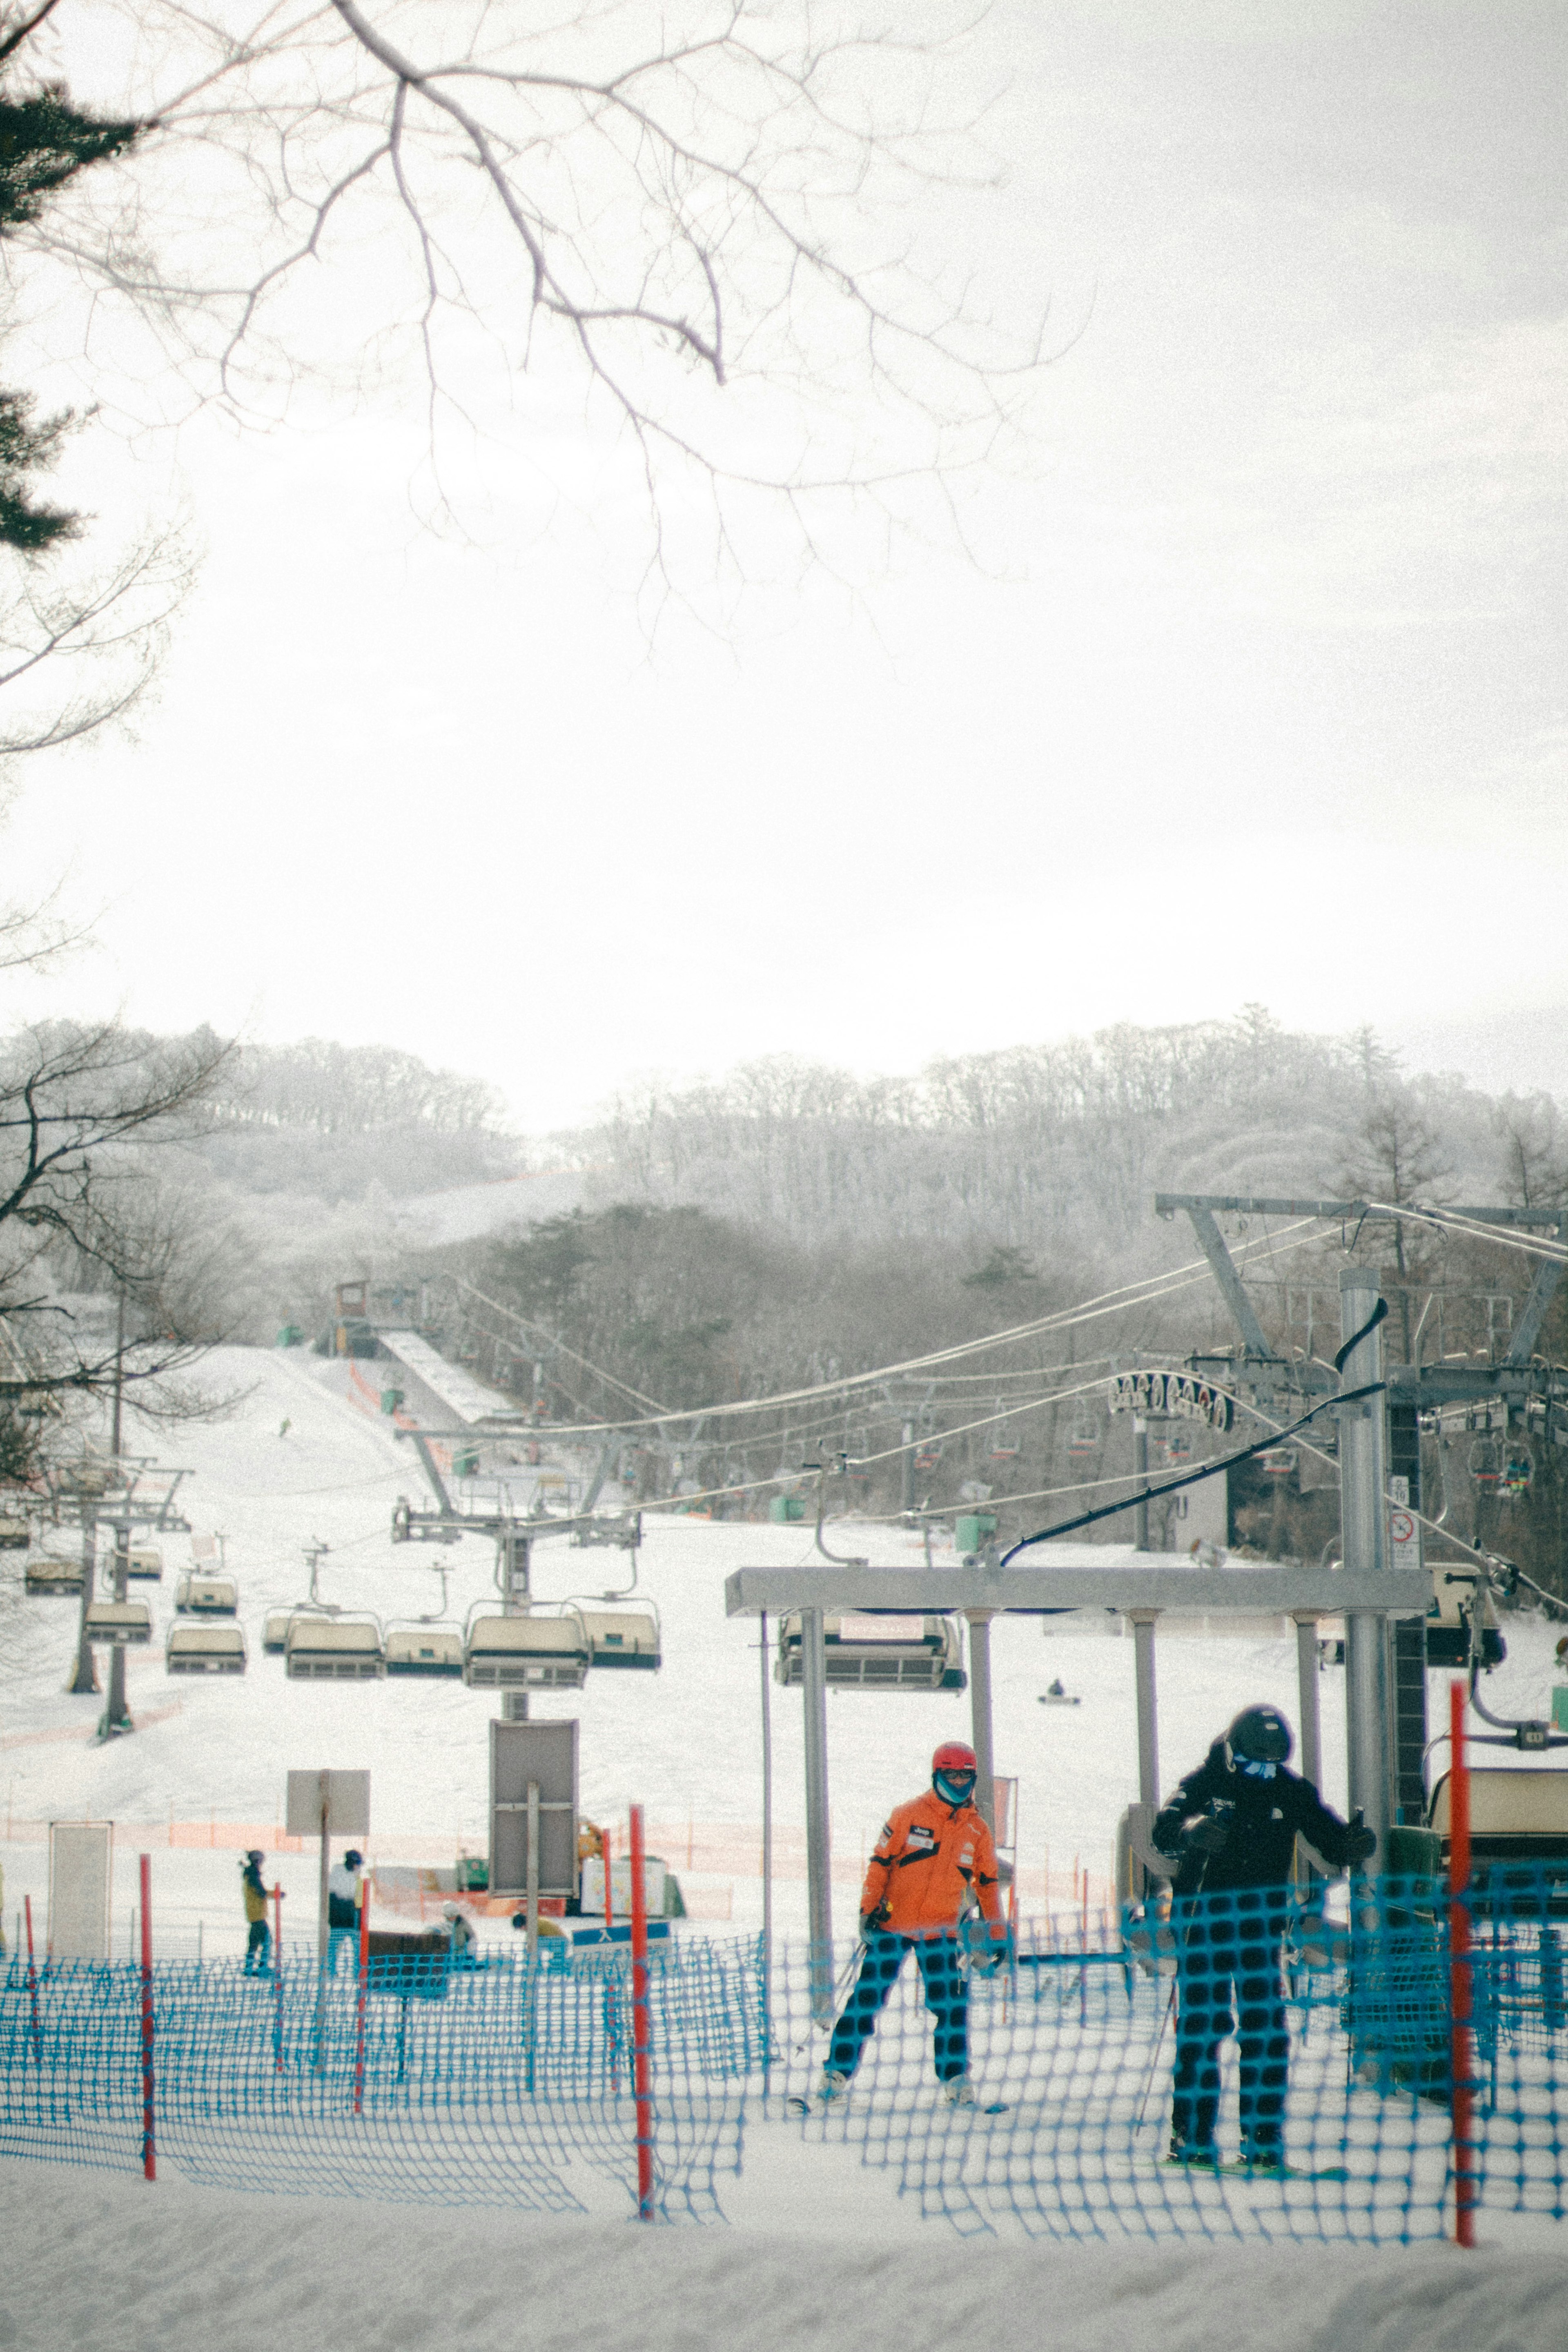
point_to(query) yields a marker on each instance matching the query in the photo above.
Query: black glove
(1359, 1844)
(1209, 1835)
(872, 1923)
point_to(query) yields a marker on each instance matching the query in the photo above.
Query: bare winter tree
(715, 230)
(79, 1212)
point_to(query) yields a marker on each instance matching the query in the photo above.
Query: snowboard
(1239, 2169)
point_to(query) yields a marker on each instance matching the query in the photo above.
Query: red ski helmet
(954, 1756)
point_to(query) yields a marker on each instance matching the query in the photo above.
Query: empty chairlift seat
(119, 1624)
(334, 1650)
(54, 1576)
(622, 1637)
(193, 1648)
(206, 1596)
(14, 1534)
(877, 1651)
(531, 1652)
(274, 1630)
(430, 1650)
(1519, 1833)
(146, 1563)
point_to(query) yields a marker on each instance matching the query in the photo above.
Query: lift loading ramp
(473, 1402)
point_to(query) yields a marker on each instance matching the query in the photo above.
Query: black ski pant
(947, 1997)
(1228, 1981)
(256, 1946)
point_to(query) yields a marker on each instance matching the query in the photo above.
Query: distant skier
(345, 1892)
(260, 1937)
(1231, 1829)
(935, 1862)
(285, 1425)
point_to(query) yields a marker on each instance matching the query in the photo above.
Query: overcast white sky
(1258, 693)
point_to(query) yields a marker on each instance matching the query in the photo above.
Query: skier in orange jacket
(935, 1863)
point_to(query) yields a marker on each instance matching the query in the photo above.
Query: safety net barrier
(1298, 2046)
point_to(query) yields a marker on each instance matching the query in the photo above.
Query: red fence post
(278, 1973)
(32, 1986)
(364, 1988)
(641, 2078)
(1460, 2050)
(148, 2149)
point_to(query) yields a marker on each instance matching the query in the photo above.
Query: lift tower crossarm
(1211, 1241)
(1527, 1330)
(1246, 1206)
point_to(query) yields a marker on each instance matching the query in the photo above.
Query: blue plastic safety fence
(1272, 2064)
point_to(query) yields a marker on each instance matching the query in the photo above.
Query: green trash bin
(784, 1507)
(970, 1533)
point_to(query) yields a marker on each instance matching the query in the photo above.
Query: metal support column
(1362, 1484)
(908, 1466)
(819, 1852)
(1141, 1471)
(1312, 1747)
(980, 1715)
(1144, 1622)
(84, 1673)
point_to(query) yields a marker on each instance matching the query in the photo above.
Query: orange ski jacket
(933, 1863)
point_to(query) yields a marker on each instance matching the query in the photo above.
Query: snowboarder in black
(1231, 1829)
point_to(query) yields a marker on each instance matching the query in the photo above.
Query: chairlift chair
(1448, 1628)
(206, 1596)
(1518, 1468)
(119, 1624)
(1277, 1462)
(623, 1637)
(210, 1649)
(274, 1630)
(1175, 1445)
(1084, 1440)
(429, 1651)
(15, 1532)
(926, 1457)
(878, 1652)
(52, 1576)
(535, 1650)
(1485, 1466)
(145, 1563)
(334, 1650)
(1005, 1447)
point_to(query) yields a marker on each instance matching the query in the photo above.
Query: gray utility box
(546, 1755)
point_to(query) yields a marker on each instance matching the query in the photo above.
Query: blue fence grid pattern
(490, 2085)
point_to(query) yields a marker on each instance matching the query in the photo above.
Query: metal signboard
(80, 1860)
(345, 1795)
(544, 1755)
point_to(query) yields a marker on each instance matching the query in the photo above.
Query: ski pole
(1155, 2060)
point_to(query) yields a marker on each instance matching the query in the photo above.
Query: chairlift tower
(1379, 1453)
(123, 1494)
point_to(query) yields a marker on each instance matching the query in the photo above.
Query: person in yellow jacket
(934, 1864)
(255, 1892)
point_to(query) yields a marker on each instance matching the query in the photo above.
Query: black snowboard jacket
(1265, 1819)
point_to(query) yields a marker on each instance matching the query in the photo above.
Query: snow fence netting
(1296, 2042)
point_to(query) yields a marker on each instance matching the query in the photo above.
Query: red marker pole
(32, 1986)
(609, 1897)
(1460, 2051)
(149, 2145)
(278, 1973)
(643, 2069)
(364, 1989)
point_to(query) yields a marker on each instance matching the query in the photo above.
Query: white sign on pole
(82, 1859)
(346, 1796)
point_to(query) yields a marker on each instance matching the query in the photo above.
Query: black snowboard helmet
(1259, 1735)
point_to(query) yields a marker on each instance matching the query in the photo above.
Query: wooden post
(1461, 2066)
(641, 2078)
(149, 2144)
